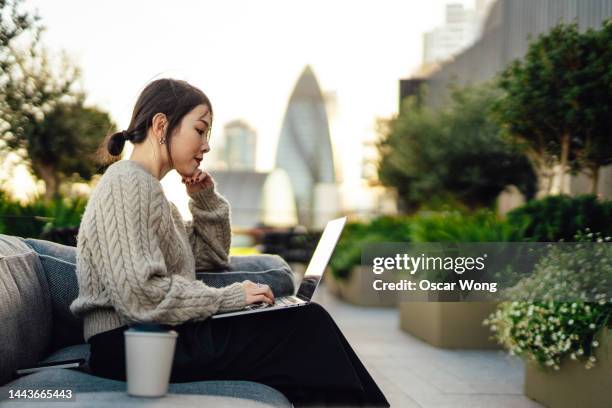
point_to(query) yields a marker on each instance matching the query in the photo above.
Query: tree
(454, 154)
(408, 158)
(14, 23)
(593, 149)
(42, 116)
(63, 144)
(557, 102)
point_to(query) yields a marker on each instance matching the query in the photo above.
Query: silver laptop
(311, 279)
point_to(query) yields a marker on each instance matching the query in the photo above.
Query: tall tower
(304, 148)
(240, 144)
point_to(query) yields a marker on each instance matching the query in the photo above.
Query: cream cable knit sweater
(135, 254)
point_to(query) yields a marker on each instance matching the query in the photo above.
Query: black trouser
(298, 351)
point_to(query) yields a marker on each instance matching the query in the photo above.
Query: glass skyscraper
(304, 148)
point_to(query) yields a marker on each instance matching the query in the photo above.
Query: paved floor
(412, 373)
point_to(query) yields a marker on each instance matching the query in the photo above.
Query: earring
(162, 140)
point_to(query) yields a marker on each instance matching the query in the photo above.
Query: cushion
(64, 289)
(99, 391)
(25, 307)
(59, 264)
(271, 270)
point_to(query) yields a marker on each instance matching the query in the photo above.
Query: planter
(358, 289)
(452, 325)
(573, 385)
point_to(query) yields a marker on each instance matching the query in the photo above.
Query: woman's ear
(159, 124)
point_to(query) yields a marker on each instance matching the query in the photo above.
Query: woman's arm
(129, 222)
(209, 232)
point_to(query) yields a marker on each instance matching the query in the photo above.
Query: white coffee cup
(149, 355)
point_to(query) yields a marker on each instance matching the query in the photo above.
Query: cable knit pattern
(135, 254)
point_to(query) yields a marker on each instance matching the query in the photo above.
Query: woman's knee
(273, 261)
(318, 310)
(258, 262)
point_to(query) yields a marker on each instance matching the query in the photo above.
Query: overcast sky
(247, 56)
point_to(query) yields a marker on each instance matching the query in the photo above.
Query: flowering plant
(539, 327)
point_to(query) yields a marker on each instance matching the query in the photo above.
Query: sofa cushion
(92, 391)
(64, 288)
(59, 264)
(25, 307)
(268, 269)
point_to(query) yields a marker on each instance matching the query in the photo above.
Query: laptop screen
(320, 258)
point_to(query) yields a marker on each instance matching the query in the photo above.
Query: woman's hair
(172, 97)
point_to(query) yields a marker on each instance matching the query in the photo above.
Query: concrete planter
(358, 289)
(452, 325)
(573, 385)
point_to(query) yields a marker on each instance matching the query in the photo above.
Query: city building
(305, 152)
(257, 198)
(240, 142)
(460, 30)
(505, 37)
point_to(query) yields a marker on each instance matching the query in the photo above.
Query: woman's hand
(199, 181)
(257, 292)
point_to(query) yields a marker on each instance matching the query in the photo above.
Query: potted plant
(559, 323)
(442, 322)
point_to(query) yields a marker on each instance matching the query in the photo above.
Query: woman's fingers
(257, 292)
(265, 289)
(262, 298)
(195, 178)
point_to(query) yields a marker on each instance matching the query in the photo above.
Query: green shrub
(453, 226)
(560, 217)
(32, 219)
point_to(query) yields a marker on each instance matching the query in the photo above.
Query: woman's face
(190, 143)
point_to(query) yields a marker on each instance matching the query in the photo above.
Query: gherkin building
(304, 148)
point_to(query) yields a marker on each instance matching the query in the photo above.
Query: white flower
(573, 356)
(592, 359)
(592, 326)
(570, 322)
(595, 343)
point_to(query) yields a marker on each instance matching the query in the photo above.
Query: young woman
(136, 262)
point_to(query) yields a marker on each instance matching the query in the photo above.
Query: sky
(247, 56)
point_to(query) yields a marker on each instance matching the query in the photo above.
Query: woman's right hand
(257, 292)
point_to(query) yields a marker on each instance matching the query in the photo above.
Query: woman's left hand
(199, 181)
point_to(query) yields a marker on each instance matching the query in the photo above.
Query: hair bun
(116, 143)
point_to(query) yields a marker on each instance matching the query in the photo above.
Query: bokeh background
(437, 121)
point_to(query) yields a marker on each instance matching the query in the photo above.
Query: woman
(136, 262)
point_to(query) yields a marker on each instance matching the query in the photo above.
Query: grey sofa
(37, 285)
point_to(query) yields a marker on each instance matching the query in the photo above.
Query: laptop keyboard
(282, 301)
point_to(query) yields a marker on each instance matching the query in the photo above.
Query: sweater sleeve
(135, 274)
(210, 233)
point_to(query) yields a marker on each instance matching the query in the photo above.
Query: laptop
(312, 276)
